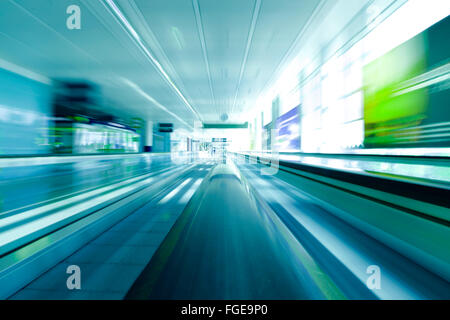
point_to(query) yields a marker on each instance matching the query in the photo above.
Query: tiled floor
(111, 263)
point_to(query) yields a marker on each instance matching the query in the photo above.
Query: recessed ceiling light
(224, 117)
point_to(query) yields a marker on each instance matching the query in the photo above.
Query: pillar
(148, 136)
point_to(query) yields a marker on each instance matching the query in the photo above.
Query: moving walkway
(220, 229)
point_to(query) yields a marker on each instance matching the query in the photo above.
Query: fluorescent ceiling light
(135, 87)
(247, 48)
(24, 72)
(201, 34)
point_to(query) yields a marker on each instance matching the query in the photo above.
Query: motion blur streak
(207, 149)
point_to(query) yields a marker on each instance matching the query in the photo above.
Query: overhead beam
(225, 125)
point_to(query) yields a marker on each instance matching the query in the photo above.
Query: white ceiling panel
(164, 60)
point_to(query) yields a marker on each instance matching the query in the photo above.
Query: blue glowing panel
(288, 126)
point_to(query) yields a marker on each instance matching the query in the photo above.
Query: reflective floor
(215, 228)
(113, 261)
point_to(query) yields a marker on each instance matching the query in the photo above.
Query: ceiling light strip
(119, 15)
(247, 49)
(11, 67)
(155, 102)
(198, 19)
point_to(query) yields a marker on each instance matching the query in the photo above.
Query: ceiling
(178, 61)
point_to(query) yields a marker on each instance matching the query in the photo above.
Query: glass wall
(330, 93)
(24, 110)
(100, 138)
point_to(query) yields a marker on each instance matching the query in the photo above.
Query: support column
(148, 136)
(273, 128)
